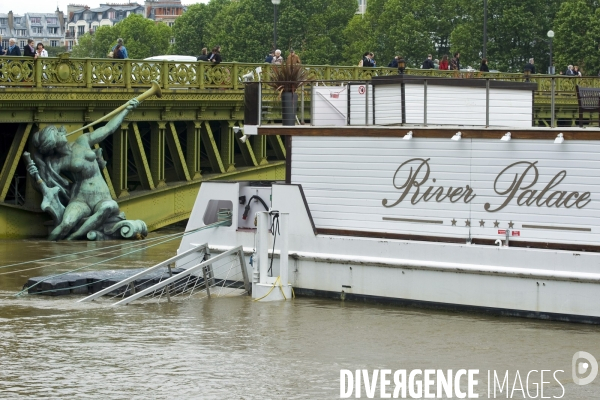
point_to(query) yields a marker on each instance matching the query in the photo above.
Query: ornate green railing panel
(16, 72)
(89, 73)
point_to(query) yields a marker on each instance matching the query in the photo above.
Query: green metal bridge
(168, 146)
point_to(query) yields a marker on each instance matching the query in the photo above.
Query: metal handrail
(239, 250)
(202, 247)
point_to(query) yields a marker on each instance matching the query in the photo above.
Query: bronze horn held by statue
(154, 90)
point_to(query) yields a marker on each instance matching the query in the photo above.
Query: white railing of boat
(478, 269)
(198, 248)
(198, 267)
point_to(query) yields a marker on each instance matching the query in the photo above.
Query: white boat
(446, 198)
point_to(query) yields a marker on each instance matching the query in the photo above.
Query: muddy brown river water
(233, 348)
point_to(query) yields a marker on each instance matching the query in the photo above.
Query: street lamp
(551, 67)
(275, 4)
(485, 7)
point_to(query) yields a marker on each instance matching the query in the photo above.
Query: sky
(45, 6)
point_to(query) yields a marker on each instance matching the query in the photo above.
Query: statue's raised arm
(102, 133)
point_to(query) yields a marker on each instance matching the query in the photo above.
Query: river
(233, 348)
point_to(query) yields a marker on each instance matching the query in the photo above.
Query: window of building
(5, 43)
(21, 32)
(170, 23)
(2, 31)
(36, 20)
(69, 44)
(17, 20)
(54, 43)
(53, 30)
(23, 43)
(172, 41)
(51, 21)
(3, 21)
(81, 30)
(37, 29)
(111, 15)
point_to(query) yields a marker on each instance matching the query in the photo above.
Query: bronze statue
(70, 179)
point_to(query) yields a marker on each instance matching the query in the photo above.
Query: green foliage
(329, 32)
(576, 40)
(55, 51)
(190, 30)
(142, 38)
(287, 77)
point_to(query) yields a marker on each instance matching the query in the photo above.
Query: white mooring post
(272, 288)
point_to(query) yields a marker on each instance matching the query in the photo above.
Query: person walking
(122, 49)
(484, 66)
(29, 50)
(13, 49)
(204, 55)
(529, 67)
(215, 57)
(269, 58)
(277, 59)
(366, 61)
(455, 62)
(444, 63)
(118, 52)
(293, 58)
(428, 63)
(569, 71)
(40, 51)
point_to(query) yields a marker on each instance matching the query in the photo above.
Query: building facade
(83, 19)
(46, 28)
(166, 11)
(362, 7)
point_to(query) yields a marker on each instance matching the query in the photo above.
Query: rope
(124, 246)
(280, 288)
(216, 224)
(275, 231)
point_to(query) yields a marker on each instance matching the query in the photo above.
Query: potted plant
(286, 79)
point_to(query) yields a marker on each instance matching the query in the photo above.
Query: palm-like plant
(287, 77)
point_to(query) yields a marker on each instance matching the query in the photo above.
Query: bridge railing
(100, 73)
(88, 73)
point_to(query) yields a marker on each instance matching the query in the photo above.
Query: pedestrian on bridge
(215, 57)
(293, 58)
(2, 50)
(13, 49)
(121, 48)
(29, 50)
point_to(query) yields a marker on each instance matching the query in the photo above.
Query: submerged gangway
(199, 279)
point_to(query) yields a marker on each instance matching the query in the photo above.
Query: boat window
(212, 209)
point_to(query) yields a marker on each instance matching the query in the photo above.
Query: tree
(190, 30)
(574, 44)
(142, 37)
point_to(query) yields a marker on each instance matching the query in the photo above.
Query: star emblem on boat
(453, 222)
(511, 224)
(496, 224)
(481, 223)
(468, 222)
